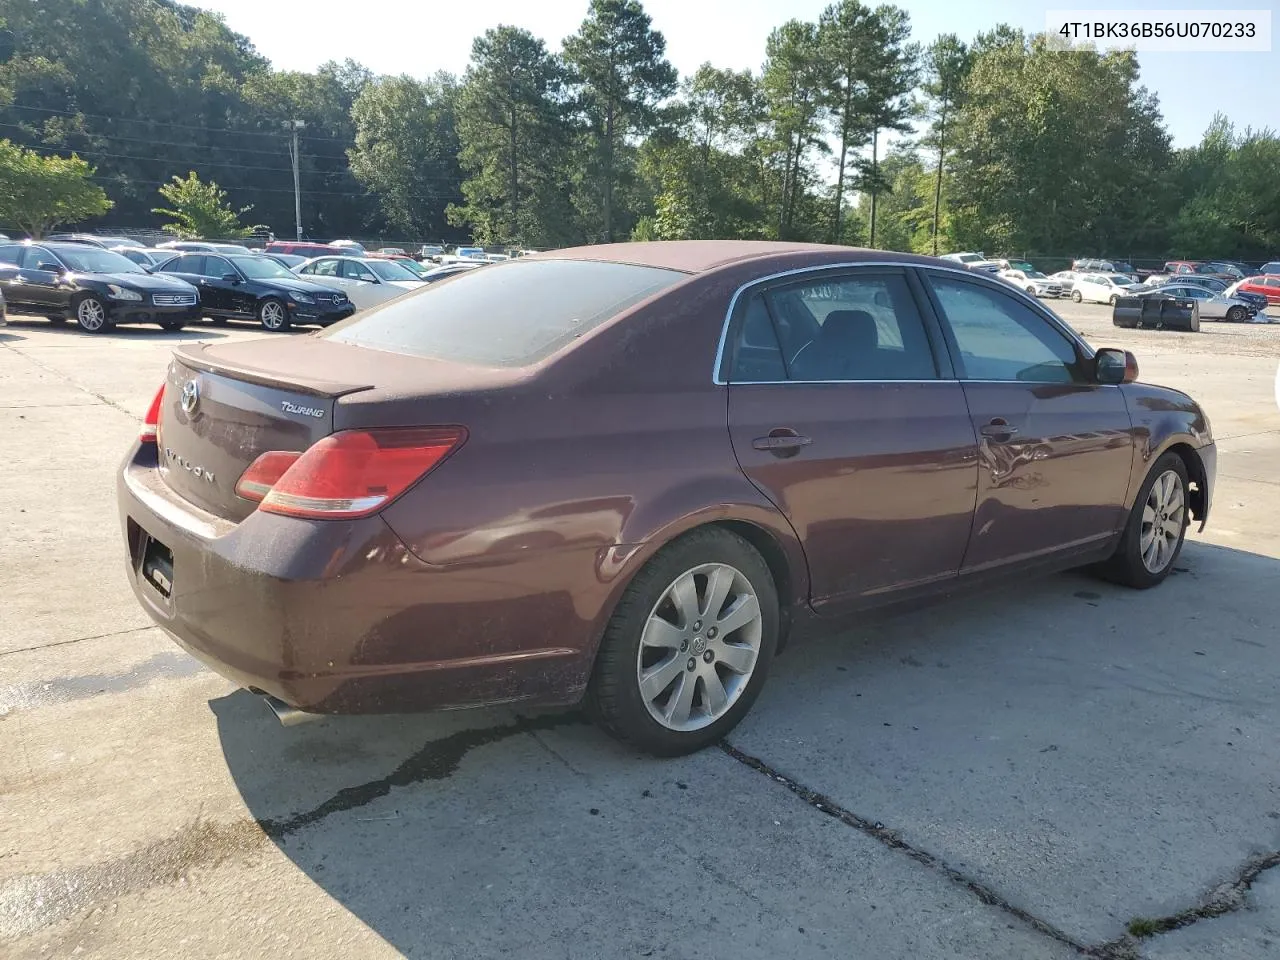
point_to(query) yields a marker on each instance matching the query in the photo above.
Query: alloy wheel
(272, 315)
(699, 647)
(91, 314)
(1163, 520)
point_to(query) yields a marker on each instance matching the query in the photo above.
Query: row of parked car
(1222, 289)
(181, 283)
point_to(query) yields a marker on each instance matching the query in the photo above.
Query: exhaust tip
(287, 715)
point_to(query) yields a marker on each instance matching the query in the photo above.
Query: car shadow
(482, 832)
(197, 331)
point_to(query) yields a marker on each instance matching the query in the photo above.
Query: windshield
(260, 268)
(1035, 275)
(1121, 281)
(504, 316)
(389, 270)
(93, 260)
(969, 258)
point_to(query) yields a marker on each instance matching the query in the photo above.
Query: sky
(419, 37)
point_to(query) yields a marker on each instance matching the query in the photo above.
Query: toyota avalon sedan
(627, 473)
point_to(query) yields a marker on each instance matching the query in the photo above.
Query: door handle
(998, 429)
(782, 442)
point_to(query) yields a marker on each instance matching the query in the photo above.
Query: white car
(366, 281)
(965, 258)
(1104, 287)
(1032, 281)
(1066, 279)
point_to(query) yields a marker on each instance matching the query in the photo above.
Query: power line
(188, 145)
(57, 151)
(160, 123)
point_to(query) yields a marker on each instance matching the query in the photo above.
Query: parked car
(470, 253)
(349, 247)
(447, 270)
(367, 281)
(205, 246)
(97, 287)
(286, 260)
(1213, 284)
(390, 252)
(1032, 281)
(1267, 287)
(1066, 279)
(1273, 267)
(1102, 287)
(306, 249)
(145, 257)
(1212, 268)
(965, 258)
(761, 437)
(413, 266)
(1107, 267)
(255, 287)
(106, 243)
(429, 251)
(1213, 306)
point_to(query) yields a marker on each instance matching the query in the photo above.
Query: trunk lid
(220, 413)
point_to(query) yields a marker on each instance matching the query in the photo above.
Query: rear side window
(191, 263)
(10, 254)
(506, 315)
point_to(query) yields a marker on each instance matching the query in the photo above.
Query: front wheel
(1075, 295)
(1237, 314)
(1156, 529)
(273, 315)
(688, 647)
(91, 314)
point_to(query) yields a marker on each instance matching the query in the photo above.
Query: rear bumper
(338, 616)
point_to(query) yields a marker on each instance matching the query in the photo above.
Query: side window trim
(1082, 350)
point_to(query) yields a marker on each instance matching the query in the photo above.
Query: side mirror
(231, 277)
(1115, 366)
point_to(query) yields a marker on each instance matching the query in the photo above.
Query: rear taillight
(349, 474)
(150, 428)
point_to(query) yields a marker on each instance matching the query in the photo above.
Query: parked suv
(98, 287)
(1106, 266)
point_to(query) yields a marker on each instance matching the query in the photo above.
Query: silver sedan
(1213, 306)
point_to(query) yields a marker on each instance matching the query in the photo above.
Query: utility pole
(293, 126)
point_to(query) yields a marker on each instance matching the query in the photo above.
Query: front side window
(847, 327)
(322, 268)
(1000, 338)
(355, 270)
(217, 267)
(32, 257)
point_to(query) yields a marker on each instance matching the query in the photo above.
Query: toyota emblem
(190, 396)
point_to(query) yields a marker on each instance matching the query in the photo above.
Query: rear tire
(273, 315)
(1156, 528)
(91, 314)
(669, 677)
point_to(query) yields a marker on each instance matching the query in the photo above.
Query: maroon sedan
(626, 472)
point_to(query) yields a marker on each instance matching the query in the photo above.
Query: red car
(304, 248)
(1267, 286)
(626, 472)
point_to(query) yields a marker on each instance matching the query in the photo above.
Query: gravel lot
(1026, 774)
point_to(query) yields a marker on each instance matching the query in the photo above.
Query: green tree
(1058, 152)
(38, 193)
(795, 81)
(947, 64)
(200, 210)
(843, 31)
(619, 67)
(514, 142)
(890, 68)
(406, 150)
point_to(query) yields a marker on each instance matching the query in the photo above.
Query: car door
(223, 295)
(843, 412)
(365, 288)
(38, 282)
(1055, 446)
(190, 267)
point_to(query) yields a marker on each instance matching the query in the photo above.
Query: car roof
(702, 256)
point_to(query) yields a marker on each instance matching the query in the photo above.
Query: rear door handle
(782, 442)
(998, 429)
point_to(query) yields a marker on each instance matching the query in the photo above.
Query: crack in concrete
(69, 379)
(63, 643)
(893, 840)
(1227, 897)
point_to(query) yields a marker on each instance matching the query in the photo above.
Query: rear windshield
(506, 315)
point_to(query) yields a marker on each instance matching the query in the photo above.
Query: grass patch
(1143, 927)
